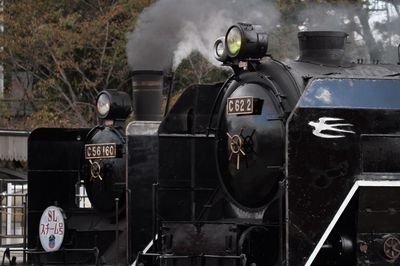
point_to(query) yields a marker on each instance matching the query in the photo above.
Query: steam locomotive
(285, 163)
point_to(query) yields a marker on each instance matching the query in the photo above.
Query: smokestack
(147, 94)
(322, 47)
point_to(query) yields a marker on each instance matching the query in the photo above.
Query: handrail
(13, 133)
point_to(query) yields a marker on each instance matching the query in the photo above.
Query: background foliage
(72, 49)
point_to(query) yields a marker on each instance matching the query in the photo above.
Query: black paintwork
(147, 88)
(142, 171)
(251, 180)
(321, 171)
(56, 166)
(301, 193)
(379, 217)
(102, 192)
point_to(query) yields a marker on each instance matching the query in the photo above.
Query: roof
(14, 145)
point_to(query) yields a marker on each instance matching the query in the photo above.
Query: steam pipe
(116, 231)
(25, 230)
(155, 216)
(128, 200)
(216, 101)
(170, 87)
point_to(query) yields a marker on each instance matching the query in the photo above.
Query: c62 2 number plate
(240, 105)
(100, 151)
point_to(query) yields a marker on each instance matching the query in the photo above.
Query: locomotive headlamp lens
(219, 49)
(246, 41)
(234, 41)
(113, 105)
(103, 104)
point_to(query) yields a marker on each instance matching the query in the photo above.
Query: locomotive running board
(357, 184)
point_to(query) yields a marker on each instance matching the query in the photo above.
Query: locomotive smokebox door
(104, 152)
(250, 141)
(104, 167)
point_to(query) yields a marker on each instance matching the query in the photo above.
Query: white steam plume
(169, 30)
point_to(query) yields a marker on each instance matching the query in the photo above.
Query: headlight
(234, 41)
(219, 49)
(246, 41)
(103, 104)
(113, 105)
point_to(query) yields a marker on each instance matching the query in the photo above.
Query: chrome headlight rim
(103, 104)
(220, 49)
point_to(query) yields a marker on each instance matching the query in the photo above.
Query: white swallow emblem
(322, 129)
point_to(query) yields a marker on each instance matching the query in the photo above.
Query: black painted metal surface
(142, 171)
(378, 236)
(147, 94)
(338, 129)
(187, 179)
(250, 147)
(326, 129)
(109, 181)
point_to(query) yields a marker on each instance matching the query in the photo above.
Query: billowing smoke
(169, 30)
(373, 35)
(326, 17)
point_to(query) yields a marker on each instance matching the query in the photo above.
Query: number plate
(240, 105)
(100, 151)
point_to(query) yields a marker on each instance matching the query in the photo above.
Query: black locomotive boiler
(285, 163)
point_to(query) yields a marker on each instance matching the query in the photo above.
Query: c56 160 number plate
(240, 105)
(100, 151)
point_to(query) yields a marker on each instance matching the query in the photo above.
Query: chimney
(322, 47)
(147, 94)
